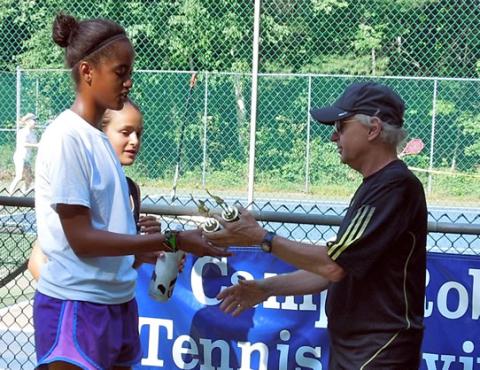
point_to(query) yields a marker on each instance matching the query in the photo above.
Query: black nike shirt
(381, 244)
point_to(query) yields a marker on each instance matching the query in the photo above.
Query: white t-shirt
(76, 165)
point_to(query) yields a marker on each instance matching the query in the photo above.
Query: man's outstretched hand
(243, 232)
(242, 296)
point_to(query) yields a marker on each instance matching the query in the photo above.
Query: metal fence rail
(458, 234)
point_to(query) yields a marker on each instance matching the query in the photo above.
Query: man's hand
(243, 232)
(192, 241)
(242, 296)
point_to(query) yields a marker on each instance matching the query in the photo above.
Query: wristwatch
(171, 240)
(266, 244)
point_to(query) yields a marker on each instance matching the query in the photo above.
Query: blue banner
(190, 332)
(452, 311)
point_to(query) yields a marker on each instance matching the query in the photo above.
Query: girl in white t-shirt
(124, 129)
(85, 313)
(22, 158)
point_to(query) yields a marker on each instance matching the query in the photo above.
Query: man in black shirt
(375, 269)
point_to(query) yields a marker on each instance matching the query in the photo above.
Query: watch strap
(267, 241)
(170, 240)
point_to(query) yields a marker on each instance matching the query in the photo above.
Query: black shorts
(386, 351)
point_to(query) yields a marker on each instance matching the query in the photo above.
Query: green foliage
(369, 39)
(7, 147)
(347, 64)
(463, 188)
(470, 126)
(326, 165)
(328, 6)
(419, 161)
(444, 107)
(412, 37)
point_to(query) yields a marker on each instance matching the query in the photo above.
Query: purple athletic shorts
(88, 335)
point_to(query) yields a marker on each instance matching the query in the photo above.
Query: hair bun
(63, 27)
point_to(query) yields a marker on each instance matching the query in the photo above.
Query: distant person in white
(22, 158)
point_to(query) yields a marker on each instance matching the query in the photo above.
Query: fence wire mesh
(326, 38)
(380, 37)
(294, 156)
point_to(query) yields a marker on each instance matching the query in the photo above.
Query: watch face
(266, 247)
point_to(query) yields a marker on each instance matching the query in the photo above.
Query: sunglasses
(339, 126)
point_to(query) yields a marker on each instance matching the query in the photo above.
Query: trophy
(229, 213)
(210, 225)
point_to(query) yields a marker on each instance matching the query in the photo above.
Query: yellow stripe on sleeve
(355, 230)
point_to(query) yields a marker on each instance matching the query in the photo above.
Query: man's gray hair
(390, 134)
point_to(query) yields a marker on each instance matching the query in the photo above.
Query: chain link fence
(378, 37)
(290, 147)
(308, 50)
(428, 50)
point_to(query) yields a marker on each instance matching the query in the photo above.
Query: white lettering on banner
(247, 349)
(436, 361)
(458, 296)
(308, 362)
(305, 357)
(428, 310)
(475, 273)
(271, 302)
(306, 304)
(153, 338)
(208, 347)
(197, 274)
(196, 278)
(283, 349)
(322, 321)
(178, 350)
(300, 357)
(462, 300)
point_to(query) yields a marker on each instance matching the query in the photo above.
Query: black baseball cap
(368, 98)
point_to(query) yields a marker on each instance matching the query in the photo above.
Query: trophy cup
(229, 213)
(210, 225)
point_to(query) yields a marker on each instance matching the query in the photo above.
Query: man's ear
(375, 128)
(85, 72)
